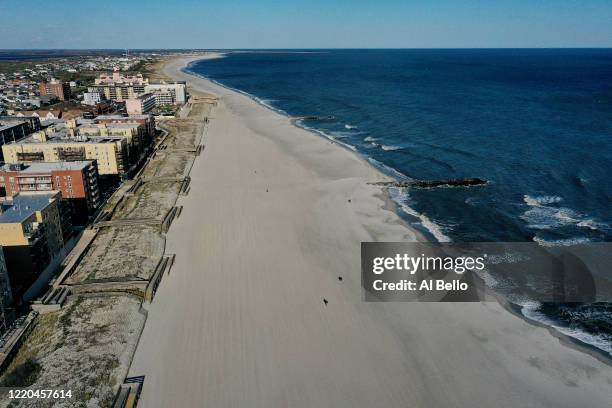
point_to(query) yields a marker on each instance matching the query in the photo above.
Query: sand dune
(265, 232)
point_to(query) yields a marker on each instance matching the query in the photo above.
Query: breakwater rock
(314, 118)
(467, 182)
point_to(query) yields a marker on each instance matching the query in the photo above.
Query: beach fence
(163, 266)
(14, 338)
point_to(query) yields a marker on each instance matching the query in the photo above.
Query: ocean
(535, 123)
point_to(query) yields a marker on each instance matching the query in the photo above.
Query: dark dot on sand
(325, 301)
(339, 278)
(349, 200)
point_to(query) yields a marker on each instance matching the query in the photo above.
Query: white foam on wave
(544, 218)
(561, 242)
(325, 135)
(370, 139)
(389, 148)
(265, 102)
(349, 127)
(400, 196)
(541, 200)
(387, 169)
(341, 135)
(544, 214)
(530, 309)
(590, 224)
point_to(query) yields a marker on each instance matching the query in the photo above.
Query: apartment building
(33, 229)
(140, 105)
(134, 133)
(119, 87)
(164, 98)
(32, 123)
(109, 152)
(55, 87)
(170, 93)
(118, 77)
(118, 92)
(147, 121)
(92, 98)
(14, 128)
(76, 181)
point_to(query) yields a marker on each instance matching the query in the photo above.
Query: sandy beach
(274, 216)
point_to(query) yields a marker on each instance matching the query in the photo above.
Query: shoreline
(421, 236)
(385, 194)
(265, 232)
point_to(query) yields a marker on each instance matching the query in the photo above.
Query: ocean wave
(340, 134)
(325, 135)
(541, 200)
(388, 170)
(590, 224)
(350, 127)
(370, 139)
(561, 242)
(544, 218)
(389, 148)
(401, 198)
(531, 310)
(545, 214)
(265, 102)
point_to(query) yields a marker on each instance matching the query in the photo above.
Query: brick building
(57, 88)
(77, 181)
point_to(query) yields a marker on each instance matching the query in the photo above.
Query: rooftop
(62, 136)
(22, 206)
(123, 125)
(120, 117)
(168, 83)
(143, 97)
(45, 167)
(4, 125)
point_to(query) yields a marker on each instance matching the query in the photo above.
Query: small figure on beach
(266, 190)
(340, 278)
(325, 301)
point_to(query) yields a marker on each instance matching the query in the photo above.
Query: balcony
(31, 180)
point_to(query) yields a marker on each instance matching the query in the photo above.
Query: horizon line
(311, 48)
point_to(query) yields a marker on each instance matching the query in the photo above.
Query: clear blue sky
(304, 24)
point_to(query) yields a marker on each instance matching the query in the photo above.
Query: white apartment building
(141, 104)
(177, 89)
(92, 98)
